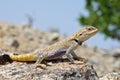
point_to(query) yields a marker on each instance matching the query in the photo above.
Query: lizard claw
(40, 66)
(83, 60)
(77, 62)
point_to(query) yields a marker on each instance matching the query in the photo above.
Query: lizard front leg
(41, 57)
(69, 51)
(78, 58)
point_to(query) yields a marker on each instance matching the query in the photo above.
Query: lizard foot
(83, 60)
(40, 66)
(78, 63)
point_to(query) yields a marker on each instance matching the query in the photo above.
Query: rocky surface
(103, 61)
(22, 39)
(59, 71)
(111, 76)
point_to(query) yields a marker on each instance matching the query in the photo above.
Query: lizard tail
(23, 57)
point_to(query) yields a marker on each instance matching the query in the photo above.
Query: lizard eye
(80, 34)
(89, 29)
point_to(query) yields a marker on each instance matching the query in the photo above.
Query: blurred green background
(105, 15)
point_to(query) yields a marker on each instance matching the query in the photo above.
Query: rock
(58, 71)
(21, 39)
(116, 53)
(111, 76)
(15, 44)
(53, 38)
(18, 38)
(102, 60)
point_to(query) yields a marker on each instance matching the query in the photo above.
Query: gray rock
(116, 53)
(58, 71)
(111, 76)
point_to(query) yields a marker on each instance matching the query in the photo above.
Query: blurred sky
(59, 14)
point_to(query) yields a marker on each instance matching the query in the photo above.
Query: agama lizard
(57, 50)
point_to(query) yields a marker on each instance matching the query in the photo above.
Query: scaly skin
(57, 50)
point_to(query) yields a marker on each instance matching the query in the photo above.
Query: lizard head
(84, 33)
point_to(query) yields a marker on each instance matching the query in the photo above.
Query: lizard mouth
(93, 32)
(90, 34)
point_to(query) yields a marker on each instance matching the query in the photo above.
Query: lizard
(64, 47)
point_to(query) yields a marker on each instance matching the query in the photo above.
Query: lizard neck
(79, 42)
(72, 38)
